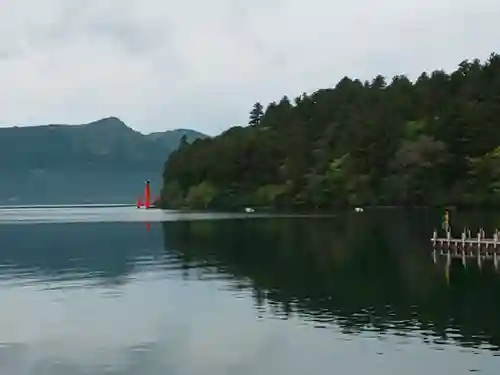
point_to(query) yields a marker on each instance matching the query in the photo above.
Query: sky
(162, 64)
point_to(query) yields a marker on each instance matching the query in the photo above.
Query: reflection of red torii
(147, 197)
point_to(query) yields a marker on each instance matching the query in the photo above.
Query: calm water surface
(116, 290)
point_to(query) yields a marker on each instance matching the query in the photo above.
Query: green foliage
(268, 194)
(433, 141)
(200, 196)
(484, 172)
(414, 128)
(172, 194)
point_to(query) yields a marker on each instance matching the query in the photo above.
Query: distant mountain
(106, 144)
(104, 161)
(171, 138)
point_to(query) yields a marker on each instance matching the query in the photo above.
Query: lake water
(116, 290)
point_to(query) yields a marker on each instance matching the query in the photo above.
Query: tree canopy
(433, 141)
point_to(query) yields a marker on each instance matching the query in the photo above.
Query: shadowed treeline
(361, 272)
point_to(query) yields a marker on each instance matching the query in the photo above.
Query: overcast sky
(160, 64)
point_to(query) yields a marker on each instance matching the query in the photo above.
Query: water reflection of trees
(361, 273)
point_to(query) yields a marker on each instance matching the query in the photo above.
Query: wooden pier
(464, 248)
(466, 241)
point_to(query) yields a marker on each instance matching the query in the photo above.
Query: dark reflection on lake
(356, 293)
(360, 274)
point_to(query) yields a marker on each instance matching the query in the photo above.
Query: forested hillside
(433, 141)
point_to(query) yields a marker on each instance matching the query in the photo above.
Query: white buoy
(358, 209)
(249, 210)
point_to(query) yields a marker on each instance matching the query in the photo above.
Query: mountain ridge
(105, 143)
(103, 161)
(101, 121)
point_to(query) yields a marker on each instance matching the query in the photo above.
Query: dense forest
(434, 141)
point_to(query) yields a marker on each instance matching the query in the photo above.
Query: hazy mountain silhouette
(100, 162)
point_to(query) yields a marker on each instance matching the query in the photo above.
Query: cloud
(165, 64)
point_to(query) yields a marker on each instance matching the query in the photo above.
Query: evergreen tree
(256, 114)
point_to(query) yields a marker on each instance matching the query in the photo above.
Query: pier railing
(466, 240)
(466, 246)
